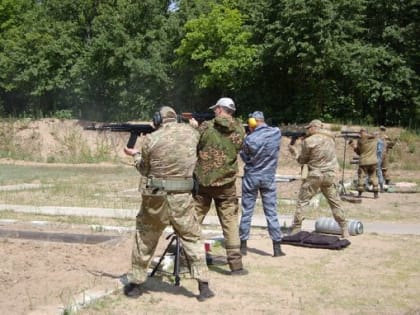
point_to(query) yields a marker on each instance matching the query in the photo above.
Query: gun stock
(135, 130)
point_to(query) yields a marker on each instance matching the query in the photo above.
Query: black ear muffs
(157, 119)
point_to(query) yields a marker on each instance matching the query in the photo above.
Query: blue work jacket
(260, 151)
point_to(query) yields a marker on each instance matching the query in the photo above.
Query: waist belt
(171, 184)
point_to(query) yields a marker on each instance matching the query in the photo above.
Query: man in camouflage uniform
(388, 145)
(167, 161)
(260, 153)
(318, 152)
(366, 148)
(217, 166)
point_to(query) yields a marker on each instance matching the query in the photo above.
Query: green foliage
(217, 46)
(348, 60)
(63, 114)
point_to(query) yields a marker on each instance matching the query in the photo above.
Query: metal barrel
(330, 226)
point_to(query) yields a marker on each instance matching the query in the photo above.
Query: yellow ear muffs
(252, 123)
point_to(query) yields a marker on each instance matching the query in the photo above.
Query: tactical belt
(171, 184)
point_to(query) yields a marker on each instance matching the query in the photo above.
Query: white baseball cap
(224, 102)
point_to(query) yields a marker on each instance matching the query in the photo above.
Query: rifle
(200, 117)
(294, 135)
(135, 130)
(348, 134)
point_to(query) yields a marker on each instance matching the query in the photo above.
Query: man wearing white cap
(216, 170)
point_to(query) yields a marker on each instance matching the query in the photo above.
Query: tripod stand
(174, 238)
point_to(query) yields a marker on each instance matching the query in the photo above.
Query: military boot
(277, 249)
(205, 292)
(132, 290)
(344, 229)
(375, 195)
(244, 248)
(381, 188)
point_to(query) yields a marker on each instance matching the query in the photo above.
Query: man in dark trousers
(260, 153)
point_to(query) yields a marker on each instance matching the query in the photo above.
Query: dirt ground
(376, 274)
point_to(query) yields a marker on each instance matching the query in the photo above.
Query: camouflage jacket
(170, 151)
(220, 141)
(318, 152)
(367, 150)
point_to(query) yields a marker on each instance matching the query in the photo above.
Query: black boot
(277, 249)
(132, 290)
(375, 195)
(205, 292)
(244, 249)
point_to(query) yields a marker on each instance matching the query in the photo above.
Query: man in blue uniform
(260, 153)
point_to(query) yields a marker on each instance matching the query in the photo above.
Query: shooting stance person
(318, 152)
(366, 147)
(260, 153)
(217, 166)
(167, 160)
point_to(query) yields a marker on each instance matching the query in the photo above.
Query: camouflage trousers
(310, 187)
(227, 209)
(158, 210)
(368, 171)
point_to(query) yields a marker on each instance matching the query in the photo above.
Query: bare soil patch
(376, 274)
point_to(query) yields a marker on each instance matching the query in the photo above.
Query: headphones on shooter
(157, 119)
(252, 122)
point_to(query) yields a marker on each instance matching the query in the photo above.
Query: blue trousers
(251, 185)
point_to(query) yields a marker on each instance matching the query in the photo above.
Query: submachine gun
(135, 130)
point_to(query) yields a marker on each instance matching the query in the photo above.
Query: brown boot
(375, 195)
(205, 292)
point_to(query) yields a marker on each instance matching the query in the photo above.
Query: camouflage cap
(363, 129)
(167, 112)
(314, 123)
(382, 128)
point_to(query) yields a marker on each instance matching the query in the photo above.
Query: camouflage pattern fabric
(169, 152)
(318, 152)
(220, 141)
(216, 170)
(227, 208)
